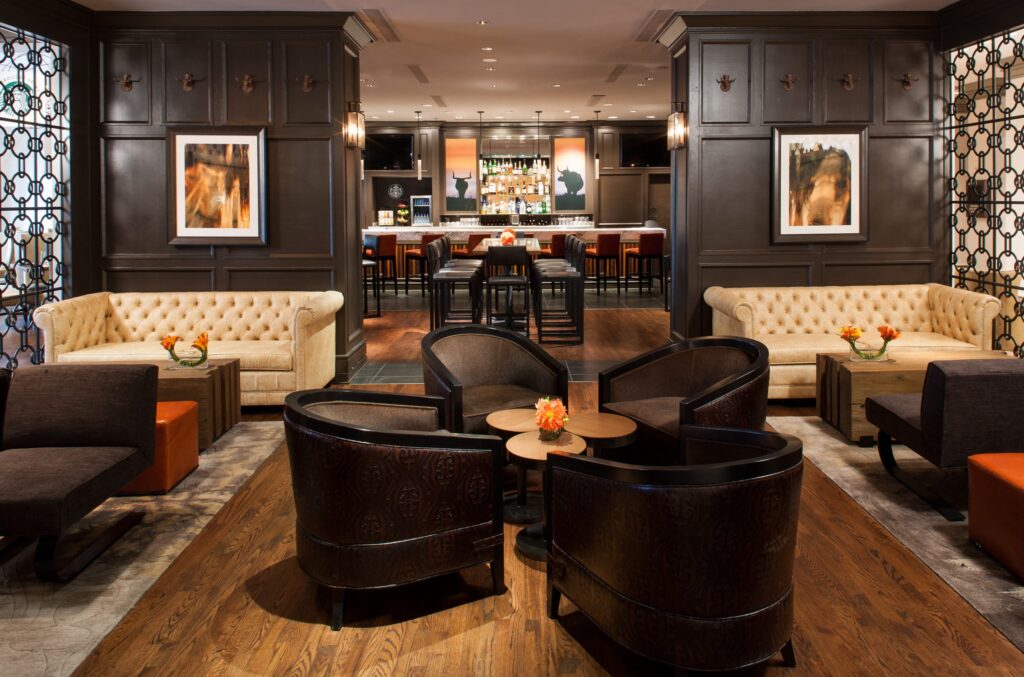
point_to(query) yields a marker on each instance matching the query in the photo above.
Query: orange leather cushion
(996, 507)
(177, 449)
(413, 253)
(633, 250)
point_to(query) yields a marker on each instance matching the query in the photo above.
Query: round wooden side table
(524, 507)
(528, 451)
(601, 430)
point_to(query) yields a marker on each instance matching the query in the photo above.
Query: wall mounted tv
(644, 149)
(388, 151)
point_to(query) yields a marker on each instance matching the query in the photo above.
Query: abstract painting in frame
(217, 186)
(819, 177)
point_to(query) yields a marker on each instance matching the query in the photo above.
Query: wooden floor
(236, 603)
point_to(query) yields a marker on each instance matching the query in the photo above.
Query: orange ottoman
(996, 507)
(177, 449)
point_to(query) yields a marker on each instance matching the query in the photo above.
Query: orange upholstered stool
(996, 507)
(177, 449)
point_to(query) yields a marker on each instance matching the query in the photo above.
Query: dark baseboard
(348, 364)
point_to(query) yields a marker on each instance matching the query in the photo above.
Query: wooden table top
(513, 420)
(532, 244)
(166, 371)
(910, 359)
(529, 448)
(601, 426)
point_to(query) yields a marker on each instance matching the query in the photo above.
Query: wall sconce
(355, 129)
(677, 130)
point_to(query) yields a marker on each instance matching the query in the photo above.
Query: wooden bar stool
(419, 256)
(606, 251)
(474, 241)
(382, 250)
(649, 250)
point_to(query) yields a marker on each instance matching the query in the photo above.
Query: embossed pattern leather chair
(73, 435)
(714, 381)
(688, 565)
(385, 497)
(966, 407)
(480, 369)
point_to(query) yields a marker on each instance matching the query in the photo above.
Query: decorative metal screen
(34, 197)
(985, 148)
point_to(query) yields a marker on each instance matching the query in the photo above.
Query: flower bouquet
(508, 237)
(852, 334)
(196, 358)
(551, 418)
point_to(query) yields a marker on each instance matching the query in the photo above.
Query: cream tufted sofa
(284, 340)
(797, 323)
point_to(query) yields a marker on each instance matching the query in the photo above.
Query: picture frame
(216, 186)
(819, 184)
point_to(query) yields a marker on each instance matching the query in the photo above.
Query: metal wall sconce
(126, 82)
(355, 129)
(725, 82)
(677, 129)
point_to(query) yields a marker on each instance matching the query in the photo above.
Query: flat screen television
(644, 149)
(388, 151)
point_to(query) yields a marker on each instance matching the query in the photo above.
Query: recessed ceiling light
(632, 110)
(493, 85)
(575, 117)
(459, 117)
(649, 78)
(491, 68)
(362, 79)
(613, 117)
(374, 117)
(486, 49)
(641, 84)
(489, 60)
(608, 104)
(370, 84)
(428, 105)
(390, 111)
(482, 22)
(499, 117)
(556, 85)
(650, 117)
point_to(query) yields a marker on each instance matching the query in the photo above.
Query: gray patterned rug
(941, 545)
(48, 629)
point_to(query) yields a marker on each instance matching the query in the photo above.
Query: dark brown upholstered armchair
(480, 369)
(688, 565)
(385, 497)
(713, 381)
(73, 435)
(966, 407)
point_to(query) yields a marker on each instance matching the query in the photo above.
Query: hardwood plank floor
(236, 602)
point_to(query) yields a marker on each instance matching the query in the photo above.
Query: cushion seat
(659, 413)
(996, 506)
(479, 401)
(804, 348)
(252, 355)
(414, 253)
(66, 484)
(898, 414)
(507, 279)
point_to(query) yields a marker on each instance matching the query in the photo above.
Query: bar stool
(444, 278)
(370, 275)
(382, 250)
(606, 251)
(644, 255)
(506, 269)
(419, 256)
(555, 250)
(474, 241)
(561, 324)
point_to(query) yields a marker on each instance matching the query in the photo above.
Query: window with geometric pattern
(984, 130)
(34, 185)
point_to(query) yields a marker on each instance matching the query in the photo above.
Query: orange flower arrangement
(202, 344)
(551, 417)
(508, 237)
(851, 334)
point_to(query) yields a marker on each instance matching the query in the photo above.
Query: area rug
(941, 545)
(48, 629)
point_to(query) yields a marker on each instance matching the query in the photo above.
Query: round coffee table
(528, 451)
(525, 507)
(601, 430)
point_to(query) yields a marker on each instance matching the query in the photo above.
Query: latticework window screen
(985, 148)
(34, 185)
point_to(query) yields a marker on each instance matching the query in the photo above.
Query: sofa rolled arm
(731, 315)
(313, 334)
(963, 315)
(72, 324)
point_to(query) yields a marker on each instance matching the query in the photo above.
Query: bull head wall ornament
(908, 80)
(848, 81)
(248, 83)
(788, 81)
(725, 82)
(126, 82)
(308, 83)
(188, 82)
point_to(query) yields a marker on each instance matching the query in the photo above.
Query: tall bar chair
(605, 252)
(419, 257)
(507, 272)
(649, 249)
(560, 323)
(444, 278)
(382, 250)
(471, 244)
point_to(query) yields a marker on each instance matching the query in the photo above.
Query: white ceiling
(537, 44)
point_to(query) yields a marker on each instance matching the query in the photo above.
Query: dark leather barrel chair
(480, 369)
(714, 381)
(966, 407)
(73, 435)
(690, 565)
(384, 496)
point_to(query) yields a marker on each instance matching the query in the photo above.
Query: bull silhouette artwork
(461, 203)
(571, 198)
(819, 186)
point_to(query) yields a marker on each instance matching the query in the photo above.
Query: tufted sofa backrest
(226, 316)
(823, 310)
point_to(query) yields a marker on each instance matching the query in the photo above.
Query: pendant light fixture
(597, 155)
(419, 155)
(536, 138)
(480, 133)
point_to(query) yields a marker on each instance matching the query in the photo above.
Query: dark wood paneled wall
(313, 235)
(723, 179)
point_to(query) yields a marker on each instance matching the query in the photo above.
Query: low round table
(525, 507)
(601, 430)
(528, 451)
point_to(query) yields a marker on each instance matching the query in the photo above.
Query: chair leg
(554, 597)
(337, 607)
(498, 570)
(618, 276)
(923, 492)
(788, 655)
(46, 551)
